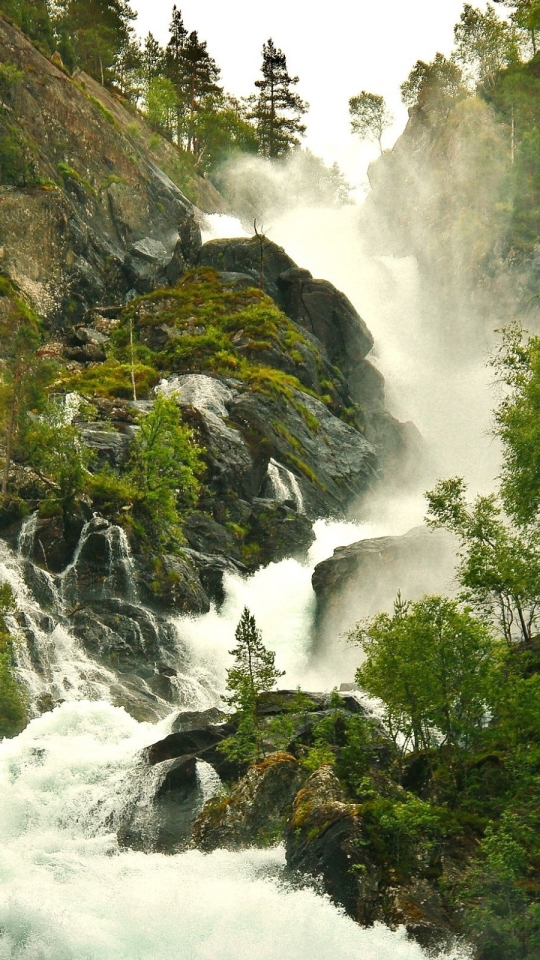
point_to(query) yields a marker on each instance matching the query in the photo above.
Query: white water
(285, 485)
(68, 893)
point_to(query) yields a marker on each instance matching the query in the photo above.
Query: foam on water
(69, 893)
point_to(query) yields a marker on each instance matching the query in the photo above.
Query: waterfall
(285, 485)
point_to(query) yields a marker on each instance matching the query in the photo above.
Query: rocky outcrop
(95, 216)
(363, 578)
(329, 838)
(256, 809)
(339, 334)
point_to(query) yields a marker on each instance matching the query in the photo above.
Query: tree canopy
(370, 116)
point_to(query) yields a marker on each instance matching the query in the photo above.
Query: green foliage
(277, 109)
(434, 87)
(370, 116)
(112, 379)
(485, 44)
(13, 701)
(518, 423)
(430, 664)
(499, 566)
(502, 920)
(164, 468)
(253, 672)
(55, 450)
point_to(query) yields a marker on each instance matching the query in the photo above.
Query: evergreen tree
(99, 31)
(34, 18)
(174, 66)
(201, 91)
(253, 672)
(153, 59)
(277, 108)
(370, 116)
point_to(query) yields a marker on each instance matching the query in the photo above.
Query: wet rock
(197, 719)
(171, 584)
(332, 461)
(324, 839)
(276, 531)
(255, 811)
(110, 446)
(206, 536)
(160, 818)
(114, 218)
(212, 569)
(361, 579)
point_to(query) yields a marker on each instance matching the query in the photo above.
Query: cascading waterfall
(285, 485)
(69, 891)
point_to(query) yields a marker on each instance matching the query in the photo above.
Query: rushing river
(68, 893)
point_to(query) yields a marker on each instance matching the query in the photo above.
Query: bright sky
(337, 49)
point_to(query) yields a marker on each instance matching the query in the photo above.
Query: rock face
(336, 329)
(328, 838)
(97, 217)
(361, 579)
(256, 809)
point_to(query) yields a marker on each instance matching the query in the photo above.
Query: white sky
(336, 48)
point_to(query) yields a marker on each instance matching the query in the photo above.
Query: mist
(434, 355)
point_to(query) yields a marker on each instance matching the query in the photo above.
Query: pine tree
(254, 672)
(277, 108)
(174, 66)
(201, 75)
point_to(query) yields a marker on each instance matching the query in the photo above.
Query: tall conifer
(278, 109)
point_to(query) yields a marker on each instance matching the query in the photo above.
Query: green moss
(218, 328)
(303, 468)
(68, 173)
(109, 182)
(103, 110)
(112, 379)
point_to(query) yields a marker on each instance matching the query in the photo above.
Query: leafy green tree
(499, 567)
(55, 449)
(370, 116)
(174, 66)
(165, 466)
(434, 87)
(161, 105)
(13, 705)
(430, 665)
(277, 109)
(485, 44)
(526, 15)
(253, 672)
(517, 418)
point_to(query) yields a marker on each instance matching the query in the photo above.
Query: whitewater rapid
(68, 893)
